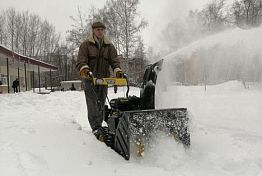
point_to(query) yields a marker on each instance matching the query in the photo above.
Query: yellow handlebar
(110, 81)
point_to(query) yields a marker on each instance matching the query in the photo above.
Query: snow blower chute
(132, 121)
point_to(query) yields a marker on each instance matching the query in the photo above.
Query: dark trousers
(95, 101)
(15, 89)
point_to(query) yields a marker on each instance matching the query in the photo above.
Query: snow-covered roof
(21, 58)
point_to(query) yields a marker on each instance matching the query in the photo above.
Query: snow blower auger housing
(132, 121)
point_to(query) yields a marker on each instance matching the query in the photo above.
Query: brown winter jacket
(97, 59)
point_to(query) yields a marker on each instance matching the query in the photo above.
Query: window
(3, 79)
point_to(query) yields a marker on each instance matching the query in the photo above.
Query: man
(72, 88)
(96, 55)
(15, 85)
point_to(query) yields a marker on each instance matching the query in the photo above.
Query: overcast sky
(57, 12)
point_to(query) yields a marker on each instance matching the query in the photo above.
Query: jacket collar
(106, 39)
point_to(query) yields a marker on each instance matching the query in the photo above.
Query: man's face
(99, 32)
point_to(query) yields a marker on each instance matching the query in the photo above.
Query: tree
(34, 27)
(10, 16)
(18, 25)
(214, 16)
(247, 13)
(138, 62)
(2, 29)
(28, 34)
(126, 11)
(80, 29)
(25, 32)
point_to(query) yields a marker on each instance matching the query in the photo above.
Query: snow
(229, 55)
(226, 123)
(232, 43)
(50, 135)
(226, 127)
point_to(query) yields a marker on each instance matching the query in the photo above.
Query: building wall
(13, 74)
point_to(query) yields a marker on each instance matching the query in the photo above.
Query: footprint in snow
(32, 164)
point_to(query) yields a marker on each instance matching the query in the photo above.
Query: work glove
(118, 73)
(84, 72)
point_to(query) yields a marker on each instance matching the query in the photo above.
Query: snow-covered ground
(226, 127)
(50, 135)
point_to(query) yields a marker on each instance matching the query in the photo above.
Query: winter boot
(99, 134)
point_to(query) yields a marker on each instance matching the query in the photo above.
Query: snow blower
(133, 121)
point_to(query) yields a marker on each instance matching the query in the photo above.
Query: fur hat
(98, 24)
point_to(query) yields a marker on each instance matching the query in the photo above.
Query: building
(26, 69)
